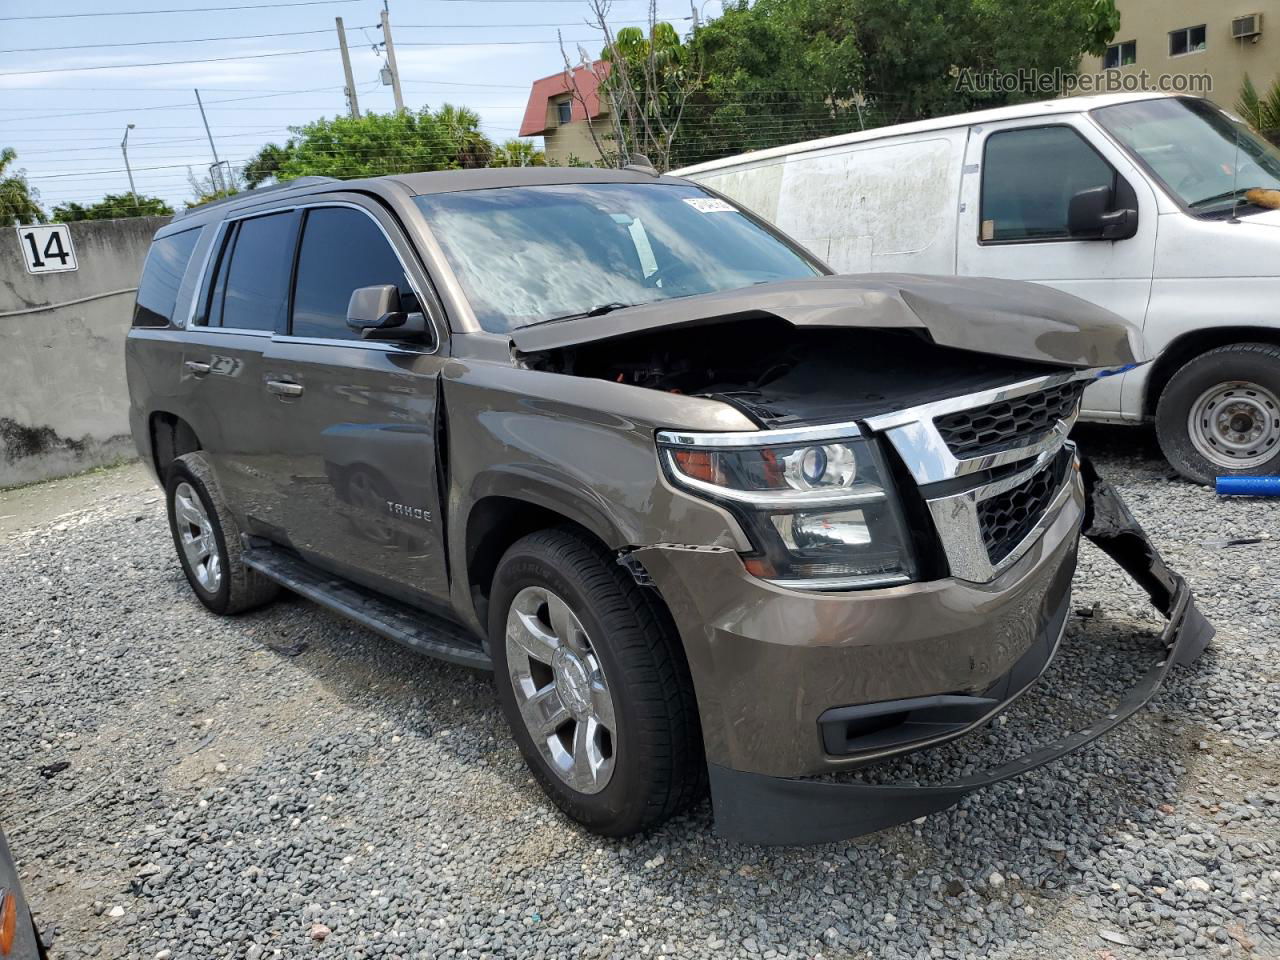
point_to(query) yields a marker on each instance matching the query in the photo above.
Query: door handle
(196, 367)
(285, 388)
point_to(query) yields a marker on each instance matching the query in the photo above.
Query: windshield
(1204, 157)
(526, 255)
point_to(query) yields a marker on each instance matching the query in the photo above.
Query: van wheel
(208, 540)
(1220, 414)
(594, 685)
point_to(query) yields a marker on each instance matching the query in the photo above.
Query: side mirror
(375, 313)
(1090, 216)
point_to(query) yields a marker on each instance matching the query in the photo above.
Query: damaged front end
(755, 808)
(797, 678)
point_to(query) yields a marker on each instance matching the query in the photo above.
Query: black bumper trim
(755, 808)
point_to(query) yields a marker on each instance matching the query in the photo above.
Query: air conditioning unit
(1250, 26)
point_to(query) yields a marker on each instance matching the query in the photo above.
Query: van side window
(1028, 179)
(253, 292)
(342, 250)
(162, 276)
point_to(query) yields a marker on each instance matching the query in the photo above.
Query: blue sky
(66, 123)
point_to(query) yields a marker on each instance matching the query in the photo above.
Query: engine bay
(780, 374)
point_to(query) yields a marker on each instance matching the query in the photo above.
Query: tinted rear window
(161, 276)
(342, 250)
(257, 286)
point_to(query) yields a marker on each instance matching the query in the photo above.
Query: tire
(221, 580)
(1197, 429)
(655, 767)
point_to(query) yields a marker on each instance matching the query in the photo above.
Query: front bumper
(767, 663)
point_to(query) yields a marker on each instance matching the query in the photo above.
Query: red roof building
(563, 115)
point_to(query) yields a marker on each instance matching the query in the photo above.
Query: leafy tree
(19, 201)
(265, 164)
(778, 71)
(517, 153)
(645, 79)
(774, 72)
(114, 206)
(374, 145)
(205, 189)
(1261, 110)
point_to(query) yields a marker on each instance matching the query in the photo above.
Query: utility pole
(346, 69)
(217, 164)
(391, 58)
(693, 5)
(124, 148)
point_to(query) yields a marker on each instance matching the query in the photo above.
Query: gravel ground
(179, 785)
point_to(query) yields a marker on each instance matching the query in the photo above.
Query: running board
(397, 621)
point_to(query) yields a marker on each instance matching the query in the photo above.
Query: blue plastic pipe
(1249, 486)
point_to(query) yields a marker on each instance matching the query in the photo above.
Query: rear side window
(162, 276)
(1028, 179)
(252, 292)
(342, 250)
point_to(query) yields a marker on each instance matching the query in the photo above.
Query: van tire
(657, 766)
(238, 587)
(1246, 375)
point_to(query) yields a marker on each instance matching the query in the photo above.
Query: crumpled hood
(1007, 318)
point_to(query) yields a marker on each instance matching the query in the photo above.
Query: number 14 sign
(47, 249)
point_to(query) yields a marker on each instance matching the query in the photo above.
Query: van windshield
(1203, 156)
(538, 254)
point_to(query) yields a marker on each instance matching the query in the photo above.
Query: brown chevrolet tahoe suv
(713, 516)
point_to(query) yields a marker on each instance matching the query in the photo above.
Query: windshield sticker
(710, 205)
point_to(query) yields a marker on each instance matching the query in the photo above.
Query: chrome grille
(1011, 442)
(1006, 518)
(1008, 424)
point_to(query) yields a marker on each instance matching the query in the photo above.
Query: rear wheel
(208, 540)
(594, 685)
(1220, 414)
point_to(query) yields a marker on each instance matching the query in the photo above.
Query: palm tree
(1262, 112)
(19, 202)
(517, 153)
(461, 126)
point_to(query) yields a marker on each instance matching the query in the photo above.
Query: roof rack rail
(250, 194)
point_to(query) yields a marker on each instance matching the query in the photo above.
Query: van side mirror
(375, 313)
(1090, 216)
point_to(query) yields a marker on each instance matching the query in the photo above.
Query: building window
(1186, 40)
(1121, 55)
(564, 111)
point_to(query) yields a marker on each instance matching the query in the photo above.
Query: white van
(1155, 207)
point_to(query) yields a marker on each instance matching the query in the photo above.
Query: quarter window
(161, 276)
(342, 250)
(1121, 55)
(1186, 40)
(1028, 179)
(253, 292)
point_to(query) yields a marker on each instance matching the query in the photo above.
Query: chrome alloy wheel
(1236, 424)
(195, 532)
(561, 689)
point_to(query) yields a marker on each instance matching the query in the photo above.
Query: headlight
(820, 514)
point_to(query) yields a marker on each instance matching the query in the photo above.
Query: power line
(174, 106)
(150, 43)
(485, 26)
(165, 63)
(139, 13)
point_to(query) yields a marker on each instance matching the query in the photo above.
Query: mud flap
(754, 808)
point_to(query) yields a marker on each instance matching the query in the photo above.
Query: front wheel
(594, 685)
(1220, 414)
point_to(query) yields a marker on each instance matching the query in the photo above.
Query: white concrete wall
(63, 398)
